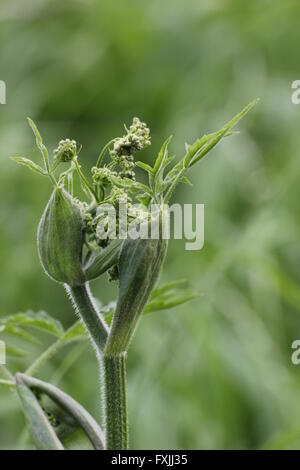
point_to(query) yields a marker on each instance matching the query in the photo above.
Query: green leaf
(76, 332)
(161, 162)
(223, 132)
(108, 311)
(199, 149)
(170, 295)
(40, 320)
(130, 185)
(167, 287)
(164, 297)
(144, 199)
(29, 164)
(160, 182)
(174, 301)
(191, 150)
(38, 425)
(185, 180)
(34, 128)
(12, 330)
(145, 167)
(162, 154)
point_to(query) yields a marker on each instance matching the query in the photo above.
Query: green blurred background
(215, 373)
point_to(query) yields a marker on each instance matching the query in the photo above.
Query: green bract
(60, 239)
(140, 264)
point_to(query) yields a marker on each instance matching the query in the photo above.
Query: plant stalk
(98, 331)
(85, 307)
(115, 401)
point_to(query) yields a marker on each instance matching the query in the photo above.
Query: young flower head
(66, 151)
(137, 138)
(103, 175)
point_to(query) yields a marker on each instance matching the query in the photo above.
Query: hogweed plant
(76, 245)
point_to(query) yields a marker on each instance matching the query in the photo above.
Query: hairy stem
(84, 305)
(115, 402)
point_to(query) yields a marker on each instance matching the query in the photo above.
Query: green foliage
(15, 324)
(25, 326)
(66, 411)
(21, 326)
(60, 239)
(39, 142)
(197, 151)
(29, 164)
(76, 332)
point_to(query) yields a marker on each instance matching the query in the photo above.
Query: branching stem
(114, 368)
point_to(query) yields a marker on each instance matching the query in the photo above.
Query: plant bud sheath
(60, 239)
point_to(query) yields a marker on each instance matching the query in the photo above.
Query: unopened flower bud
(139, 266)
(60, 239)
(66, 151)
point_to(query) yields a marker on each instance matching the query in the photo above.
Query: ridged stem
(116, 402)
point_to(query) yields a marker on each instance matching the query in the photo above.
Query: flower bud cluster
(137, 138)
(103, 175)
(99, 225)
(118, 196)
